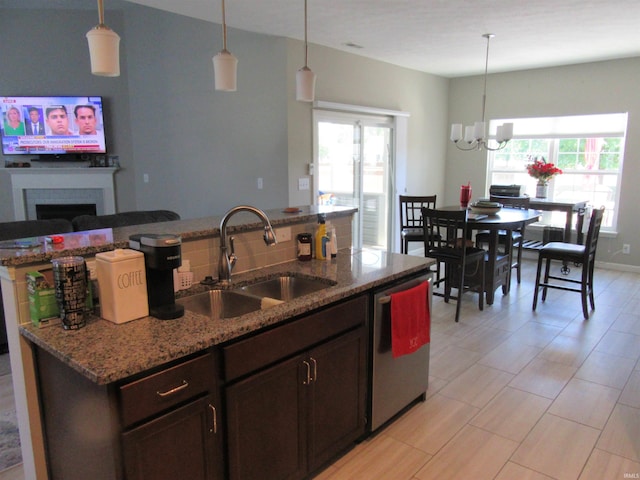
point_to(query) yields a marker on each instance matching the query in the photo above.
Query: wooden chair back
(411, 209)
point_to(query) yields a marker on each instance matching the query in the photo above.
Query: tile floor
(516, 394)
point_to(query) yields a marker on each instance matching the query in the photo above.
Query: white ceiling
(442, 37)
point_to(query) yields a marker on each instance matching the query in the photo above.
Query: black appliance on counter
(162, 253)
(506, 190)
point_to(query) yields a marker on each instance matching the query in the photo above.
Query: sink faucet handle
(233, 258)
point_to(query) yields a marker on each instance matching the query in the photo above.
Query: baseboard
(620, 267)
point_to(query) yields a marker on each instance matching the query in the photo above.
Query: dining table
(497, 266)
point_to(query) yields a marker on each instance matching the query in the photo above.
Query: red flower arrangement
(541, 170)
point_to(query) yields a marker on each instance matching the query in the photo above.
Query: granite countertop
(95, 241)
(105, 352)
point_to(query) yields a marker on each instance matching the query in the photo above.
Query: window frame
(553, 130)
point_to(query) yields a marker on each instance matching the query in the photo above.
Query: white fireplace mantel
(23, 179)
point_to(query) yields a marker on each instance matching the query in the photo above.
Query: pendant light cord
(488, 36)
(100, 12)
(306, 46)
(224, 29)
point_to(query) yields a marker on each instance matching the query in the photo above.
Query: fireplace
(67, 211)
(67, 188)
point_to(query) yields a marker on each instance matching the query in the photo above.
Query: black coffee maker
(162, 253)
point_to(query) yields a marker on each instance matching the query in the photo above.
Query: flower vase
(542, 189)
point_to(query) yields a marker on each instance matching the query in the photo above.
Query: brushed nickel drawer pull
(184, 385)
(315, 369)
(308, 381)
(214, 426)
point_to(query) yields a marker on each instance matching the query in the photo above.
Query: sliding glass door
(354, 168)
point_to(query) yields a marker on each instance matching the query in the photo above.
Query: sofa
(123, 219)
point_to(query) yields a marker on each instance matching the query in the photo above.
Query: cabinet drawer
(266, 348)
(155, 393)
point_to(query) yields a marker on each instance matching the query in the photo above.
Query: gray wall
(602, 87)
(203, 150)
(59, 65)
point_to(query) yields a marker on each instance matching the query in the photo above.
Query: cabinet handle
(171, 391)
(315, 369)
(214, 425)
(308, 380)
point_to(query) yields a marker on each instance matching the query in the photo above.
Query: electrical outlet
(283, 234)
(626, 249)
(260, 183)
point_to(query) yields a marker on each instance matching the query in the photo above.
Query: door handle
(315, 369)
(214, 422)
(308, 380)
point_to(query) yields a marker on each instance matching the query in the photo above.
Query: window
(588, 149)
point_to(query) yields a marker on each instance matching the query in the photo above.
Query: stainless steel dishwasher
(395, 382)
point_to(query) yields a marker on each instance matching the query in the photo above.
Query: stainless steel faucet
(226, 261)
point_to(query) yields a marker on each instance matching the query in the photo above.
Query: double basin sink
(220, 304)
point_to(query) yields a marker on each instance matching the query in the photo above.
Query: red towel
(410, 320)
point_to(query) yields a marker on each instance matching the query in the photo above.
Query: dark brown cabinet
(289, 419)
(164, 425)
(180, 444)
(295, 398)
(172, 425)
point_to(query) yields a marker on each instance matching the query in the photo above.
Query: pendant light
(225, 64)
(104, 48)
(305, 78)
(474, 135)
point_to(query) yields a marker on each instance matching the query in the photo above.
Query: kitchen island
(106, 354)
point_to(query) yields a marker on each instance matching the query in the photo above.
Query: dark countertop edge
(174, 344)
(187, 229)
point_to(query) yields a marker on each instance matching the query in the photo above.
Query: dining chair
(509, 242)
(445, 239)
(570, 252)
(411, 218)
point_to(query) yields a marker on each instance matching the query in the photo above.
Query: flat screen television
(52, 126)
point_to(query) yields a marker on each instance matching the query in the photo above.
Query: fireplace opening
(67, 211)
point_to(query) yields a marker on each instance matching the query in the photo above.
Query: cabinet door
(184, 443)
(265, 422)
(337, 404)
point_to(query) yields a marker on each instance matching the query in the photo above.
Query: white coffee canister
(122, 283)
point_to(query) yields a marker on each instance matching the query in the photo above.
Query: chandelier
(474, 135)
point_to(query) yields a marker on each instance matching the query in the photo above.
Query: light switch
(303, 183)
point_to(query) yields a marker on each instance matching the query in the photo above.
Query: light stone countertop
(105, 352)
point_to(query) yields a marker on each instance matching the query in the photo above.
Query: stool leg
(584, 291)
(519, 267)
(546, 278)
(593, 303)
(537, 286)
